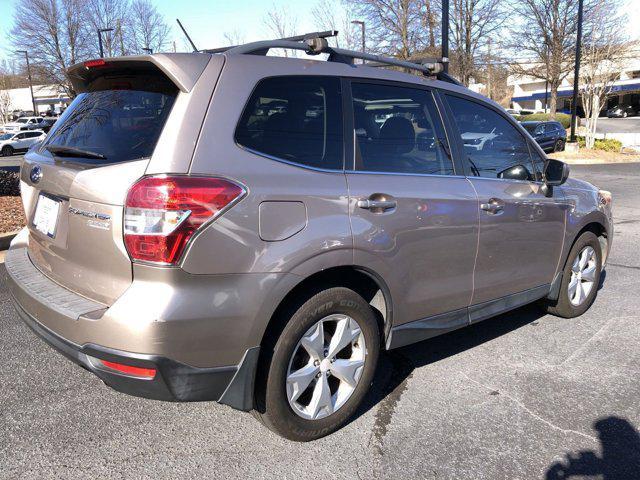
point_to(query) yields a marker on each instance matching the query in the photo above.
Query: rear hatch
(75, 183)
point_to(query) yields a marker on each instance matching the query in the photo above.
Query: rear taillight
(163, 213)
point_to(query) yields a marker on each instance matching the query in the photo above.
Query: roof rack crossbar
(295, 38)
(315, 43)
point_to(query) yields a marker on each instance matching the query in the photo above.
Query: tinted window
(298, 119)
(550, 128)
(398, 130)
(33, 134)
(123, 123)
(491, 144)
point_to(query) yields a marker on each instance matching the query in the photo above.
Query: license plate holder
(45, 219)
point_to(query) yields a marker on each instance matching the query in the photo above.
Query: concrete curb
(5, 239)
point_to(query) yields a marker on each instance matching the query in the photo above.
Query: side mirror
(516, 172)
(555, 172)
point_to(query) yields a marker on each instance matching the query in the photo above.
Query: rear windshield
(118, 120)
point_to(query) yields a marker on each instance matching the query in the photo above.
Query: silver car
(12, 143)
(256, 230)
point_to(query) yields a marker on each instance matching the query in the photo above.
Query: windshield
(530, 127)
(113, 125)
(6, 136)
(22, 120)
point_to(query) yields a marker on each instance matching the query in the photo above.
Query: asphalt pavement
(520, 396)
(618, 125)
(11, 163)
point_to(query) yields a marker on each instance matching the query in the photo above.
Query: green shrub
(607, 144)
(563, 118)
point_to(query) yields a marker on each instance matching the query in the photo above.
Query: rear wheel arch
(362, 280)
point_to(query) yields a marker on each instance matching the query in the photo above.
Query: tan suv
(254, 230)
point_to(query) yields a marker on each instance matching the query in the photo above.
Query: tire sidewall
(7, 151)
(277, 409)
(564, 306)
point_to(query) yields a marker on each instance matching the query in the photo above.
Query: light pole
(33, 99)
(364, 43)
(576, 75)
(100, 30)
(445, 35)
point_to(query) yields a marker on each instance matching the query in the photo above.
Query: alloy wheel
(583, 275)
(325, 367)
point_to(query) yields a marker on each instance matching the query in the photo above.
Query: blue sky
(208, 20)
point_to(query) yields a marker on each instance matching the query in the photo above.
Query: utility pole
(364, 43)
(100, 30)
(445, 35)
(489, 72)
(576, 74)
(33, 99)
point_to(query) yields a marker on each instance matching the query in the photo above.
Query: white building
(529, 93)
(47, 97)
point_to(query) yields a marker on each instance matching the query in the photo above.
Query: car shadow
(619, 456)
(395, 367)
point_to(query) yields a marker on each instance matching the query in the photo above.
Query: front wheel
(321, 366)
(558, 146)
(7, 151)
(580, 278)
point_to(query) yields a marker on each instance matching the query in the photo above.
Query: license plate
(46, 216)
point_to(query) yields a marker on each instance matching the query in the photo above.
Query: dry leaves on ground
(11, 214)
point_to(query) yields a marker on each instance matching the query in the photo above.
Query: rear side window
(297, 119)
(491, 144)
(119, 119)
(398, 130)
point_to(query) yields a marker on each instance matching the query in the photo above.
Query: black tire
(563, 307)
(558, 146)
(272, 404)
(7, 151)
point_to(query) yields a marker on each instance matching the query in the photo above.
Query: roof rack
(316, 43)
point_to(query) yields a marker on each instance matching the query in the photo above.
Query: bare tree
(603, 52)
(55, 35)
(146, 27)
(393, 26)
(546, 33)
(334, 15)
(235, 37)
(109, 14)
(5, 99)
(281, 23)
(473, 23)
(431, 11)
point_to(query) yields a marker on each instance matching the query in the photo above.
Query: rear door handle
(493, 206)
(369, 204)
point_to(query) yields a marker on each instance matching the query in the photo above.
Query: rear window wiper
(63, 151)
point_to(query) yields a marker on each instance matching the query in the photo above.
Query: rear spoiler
(183, 69)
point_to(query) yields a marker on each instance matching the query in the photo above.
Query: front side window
(398, 130)
(297, 119)
(493, 147)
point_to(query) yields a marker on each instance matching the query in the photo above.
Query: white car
(476, 141)
(11, 143)
(24, 123)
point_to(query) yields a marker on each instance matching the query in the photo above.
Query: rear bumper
(52, 311)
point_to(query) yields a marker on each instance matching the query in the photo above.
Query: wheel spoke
(313, 341)
(579, 296)
(321, 399)
(346, 331)
(573, 284)
(347, 370)
(589, 274)
(575, 268)
(300, 380)
(584, 258)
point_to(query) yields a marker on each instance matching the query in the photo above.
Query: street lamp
(33, 99)
(364, 44)
(100, 30)
(576, 74)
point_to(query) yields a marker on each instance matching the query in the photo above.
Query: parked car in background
(622, 111)
(11, 143)
(24, 123)
(304, 217)
(47, 123)
(551, 136)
